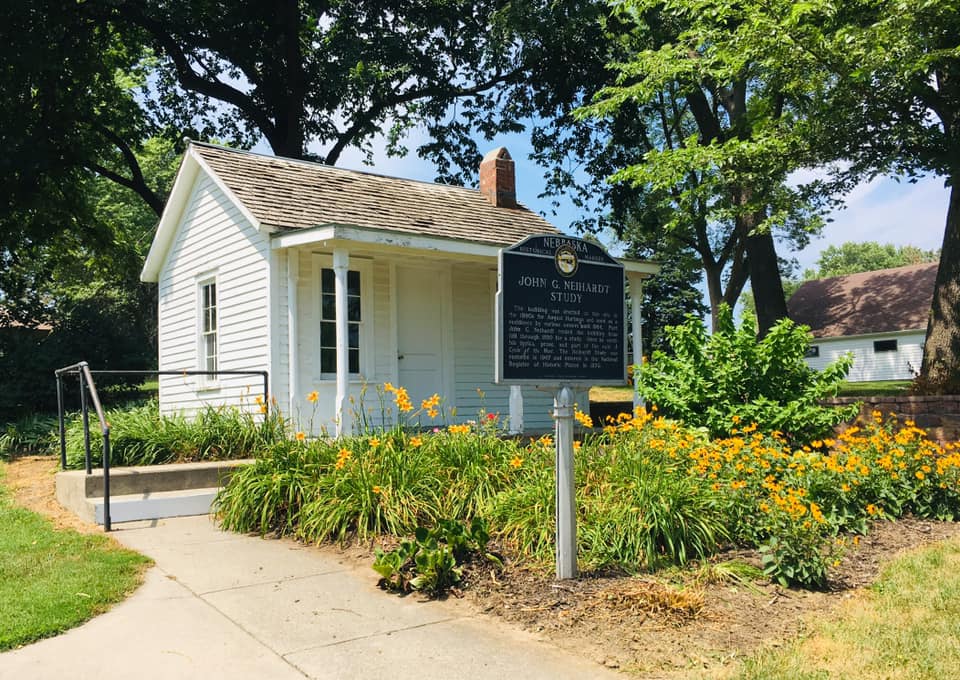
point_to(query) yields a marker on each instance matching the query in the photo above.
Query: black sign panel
(560, 313)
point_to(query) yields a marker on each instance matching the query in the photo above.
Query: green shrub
(101, 324)
(714, 380)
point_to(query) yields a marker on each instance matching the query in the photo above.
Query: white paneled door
(420, 335)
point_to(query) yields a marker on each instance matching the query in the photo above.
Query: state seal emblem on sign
(566, 261)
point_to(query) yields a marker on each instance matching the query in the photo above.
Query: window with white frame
(208, 350)
(358, 325)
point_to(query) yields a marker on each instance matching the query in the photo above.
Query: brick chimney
(498, 182)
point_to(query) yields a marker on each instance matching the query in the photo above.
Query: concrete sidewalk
(222, 605)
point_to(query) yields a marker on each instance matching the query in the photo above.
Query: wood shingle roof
(881, 301)
(289, 194)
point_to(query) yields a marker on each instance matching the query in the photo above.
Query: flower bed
(650, 491)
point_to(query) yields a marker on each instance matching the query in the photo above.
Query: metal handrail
(82, 369)
(87, 384)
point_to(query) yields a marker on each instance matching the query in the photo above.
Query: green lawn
(53, 580)
(615, 393)
(905, 626)
(879, 388)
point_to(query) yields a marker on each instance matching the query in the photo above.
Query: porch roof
(372, 240)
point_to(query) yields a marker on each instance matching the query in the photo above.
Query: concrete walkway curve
(222, 605)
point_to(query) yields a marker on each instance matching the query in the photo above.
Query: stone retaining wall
(939, 415)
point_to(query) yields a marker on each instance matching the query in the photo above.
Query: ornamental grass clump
(140, 435)
(790, 502)
(387, 481)
(638, 508)
(30, 435)
(641, 507)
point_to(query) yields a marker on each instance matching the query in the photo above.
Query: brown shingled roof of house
(291, 194)
(882, 301)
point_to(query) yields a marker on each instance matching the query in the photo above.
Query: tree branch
(140, 189)
(700, 108)
(189, 78)
(136, 182)
(365, 118)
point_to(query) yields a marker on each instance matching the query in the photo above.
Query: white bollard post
(516, 410)
(566, 500)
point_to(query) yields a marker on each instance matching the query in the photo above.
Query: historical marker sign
(560, 313)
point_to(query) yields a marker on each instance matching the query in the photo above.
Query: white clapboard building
(880, 317)
(248, 254)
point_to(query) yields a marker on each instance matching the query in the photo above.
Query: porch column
(636, 299)
(293, 356)
(341, 261)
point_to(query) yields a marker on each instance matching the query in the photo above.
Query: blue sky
(883, 210)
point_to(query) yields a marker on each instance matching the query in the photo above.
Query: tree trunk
(287, 138)
(940, 371)
(712, 275)
(765, 279)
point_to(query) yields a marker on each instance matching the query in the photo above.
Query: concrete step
(148, 492)
(154, 505)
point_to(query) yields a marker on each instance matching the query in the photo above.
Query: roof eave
(183, 185)
(170, 217)
(353, 234)
(871, 334)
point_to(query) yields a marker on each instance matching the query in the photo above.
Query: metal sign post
(566, 493)
(561, 321)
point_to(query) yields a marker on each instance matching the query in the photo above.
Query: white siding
(214, 240)
(473, 329)
(869, 365)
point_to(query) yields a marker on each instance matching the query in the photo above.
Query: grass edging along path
(906, 625)
(52, 580)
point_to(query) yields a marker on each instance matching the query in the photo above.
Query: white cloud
(886, 211)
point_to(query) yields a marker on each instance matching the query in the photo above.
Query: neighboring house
(880, 317)
(248, 256)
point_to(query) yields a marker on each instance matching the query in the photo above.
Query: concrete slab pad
(180, 530)
(321, 610)
(452, 649)
(206, 559)
(157, 634)
(220, 605)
